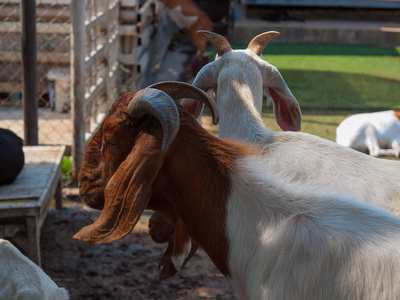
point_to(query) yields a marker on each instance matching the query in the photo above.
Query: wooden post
(78, 38)
(29, 72)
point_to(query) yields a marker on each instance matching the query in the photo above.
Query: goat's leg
(372, 142)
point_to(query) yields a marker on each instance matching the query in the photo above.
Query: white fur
(240, 77)
(21, 279)
(180, 20)
(178, 260)
(375, 133)
(290, 241)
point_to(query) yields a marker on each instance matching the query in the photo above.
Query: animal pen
(87, 52)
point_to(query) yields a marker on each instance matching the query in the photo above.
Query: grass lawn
(333, 82)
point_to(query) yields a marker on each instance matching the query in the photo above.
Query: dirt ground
(126, 269)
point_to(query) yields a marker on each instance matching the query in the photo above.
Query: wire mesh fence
(88, 52)
(53, 29)
(53, 70)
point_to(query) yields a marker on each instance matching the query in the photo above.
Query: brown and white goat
(272, 239)
(188, 17)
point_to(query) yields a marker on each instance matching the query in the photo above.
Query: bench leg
(58, 195)
(33, 235)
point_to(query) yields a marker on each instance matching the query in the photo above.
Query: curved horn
(220, 44)
(178, 90)
(258, 43)
(158, 104)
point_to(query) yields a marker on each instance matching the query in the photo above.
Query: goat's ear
(207, 77)
(127, 194)
(194, 107)
(286, 108)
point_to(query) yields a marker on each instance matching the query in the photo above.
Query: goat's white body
(181, 21)
(21, 279)
(374, 133)
(290, 241)
(296, 156)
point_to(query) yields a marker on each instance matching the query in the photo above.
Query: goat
(270, 238)
(11, 156)
(239, 77)
(188, 17)
(21, 279)
(375, 133)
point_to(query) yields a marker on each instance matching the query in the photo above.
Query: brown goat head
(115, 138)
(124, 158)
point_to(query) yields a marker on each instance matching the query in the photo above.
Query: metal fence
(88, 52)
(94, 68)
(53, 61)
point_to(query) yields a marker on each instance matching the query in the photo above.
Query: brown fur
(397, 114)
(191, 183)
(189, 8)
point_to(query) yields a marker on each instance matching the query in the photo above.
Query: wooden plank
(42, 57)
(41, 28)
(128, 30)
(41, 169)
(10, 86)
(129, 3)
(392, 4)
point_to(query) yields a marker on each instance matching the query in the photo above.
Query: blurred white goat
(21, 279)
(375, 133)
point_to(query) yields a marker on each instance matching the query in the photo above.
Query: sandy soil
(126, 269)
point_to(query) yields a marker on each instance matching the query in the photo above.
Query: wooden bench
(24, 204)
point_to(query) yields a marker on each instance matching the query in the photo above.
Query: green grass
(66, 168)
(333, 82)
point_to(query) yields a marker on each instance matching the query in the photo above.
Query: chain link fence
(53, 69)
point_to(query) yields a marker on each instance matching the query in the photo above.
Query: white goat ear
(286, 108)
(182, 245)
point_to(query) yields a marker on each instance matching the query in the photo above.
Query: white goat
(239, 77)
(21, 279)
(375, 133)
(271, 239)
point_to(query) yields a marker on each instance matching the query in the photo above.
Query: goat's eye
(110, 143)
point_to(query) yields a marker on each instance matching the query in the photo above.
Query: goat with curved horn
(180, 90)
(140, 156)
(220, 44)
(258, 43)
(120, 215)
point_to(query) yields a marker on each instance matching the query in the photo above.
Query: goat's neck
(195, 181)
(240, 111)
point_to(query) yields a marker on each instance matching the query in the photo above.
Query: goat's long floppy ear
(258, 43)
(286, 108)
(126, 196)
(220, 44)
(128, 192)
(179, 90)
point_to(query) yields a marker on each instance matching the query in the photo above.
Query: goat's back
(21, 279)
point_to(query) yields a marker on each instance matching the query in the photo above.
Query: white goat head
(241, 76)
